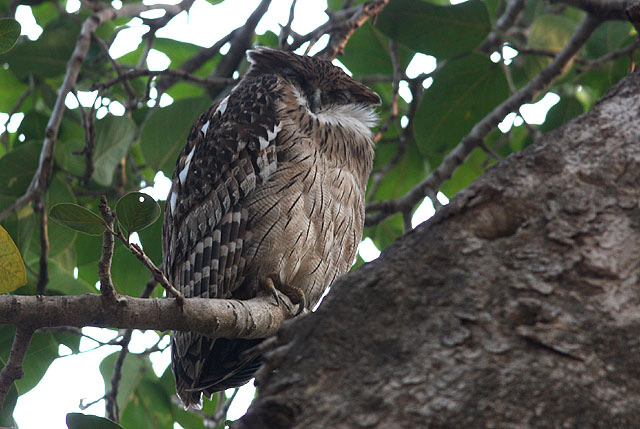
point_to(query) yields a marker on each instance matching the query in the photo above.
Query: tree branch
(176, 73)
(457, 156)
(603, 10)
(254, 318)
(240, 42)
(341, 30)
(12, 371)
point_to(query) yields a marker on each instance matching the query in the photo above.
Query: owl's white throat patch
(355, 117)
(358, 118)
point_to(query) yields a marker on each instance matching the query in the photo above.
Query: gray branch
(255, 318)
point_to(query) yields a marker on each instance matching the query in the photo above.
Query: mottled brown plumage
(268, 192)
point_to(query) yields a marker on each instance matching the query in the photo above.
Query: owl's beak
(365, 95)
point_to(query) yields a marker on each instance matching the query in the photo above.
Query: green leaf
(61, 279)
(150, 405)
(550, 32)
(136, 211)
(128, 274)
(133, 371)
(77, 217)
(470, 170)
(114, 136)
(11, 89)
(411, 169)
(386, 232)
(16, 171)
(47, 56)
(368, 52)
(461, 94)
(43, 349)
(60, 237)
(12, 270)
(166, 131)
(9, 33)
(441, 31)
(608, 37)
(562, 112)
(20, 227)
(151, 238)
(87, 421)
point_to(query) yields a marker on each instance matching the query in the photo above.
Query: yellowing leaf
(12, 272)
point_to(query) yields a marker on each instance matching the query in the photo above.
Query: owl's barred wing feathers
(230, 149)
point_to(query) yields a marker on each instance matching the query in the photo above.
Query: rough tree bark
(516, 306)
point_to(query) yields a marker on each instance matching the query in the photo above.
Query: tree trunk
(517, 305)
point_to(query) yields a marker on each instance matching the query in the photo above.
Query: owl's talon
(301, 306)
(295, 294)
(272, 288)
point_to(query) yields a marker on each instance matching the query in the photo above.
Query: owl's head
(318, 81)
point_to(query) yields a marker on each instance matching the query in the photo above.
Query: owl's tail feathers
(202, 365)
(190, 398)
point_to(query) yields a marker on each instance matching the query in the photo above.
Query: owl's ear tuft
(261, 54)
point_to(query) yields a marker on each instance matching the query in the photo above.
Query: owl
(267, 198)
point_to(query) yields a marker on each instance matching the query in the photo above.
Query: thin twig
(165, 82)
(506, 20)
(285, 31)
(341, 31)
(84, 406)
(221, 415)
(131, 93)
(598, 62)
(472, 140)
(155, 271)
(43, 273)
(12, 371)
(112, 409)
(107, 289)
(241, 41)
(89, 132)
(111, 396)
(181, 74)
(406, 135)
(397, 75)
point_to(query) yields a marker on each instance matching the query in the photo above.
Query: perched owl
(267, 197)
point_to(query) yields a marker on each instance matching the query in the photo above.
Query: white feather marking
(302, 100)
(223, 105)
(263, 143)
(205, 127)
(172, 201)
(185, 170)
(271, 135)
(358, 118)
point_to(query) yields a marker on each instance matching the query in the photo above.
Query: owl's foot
(295, 294)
